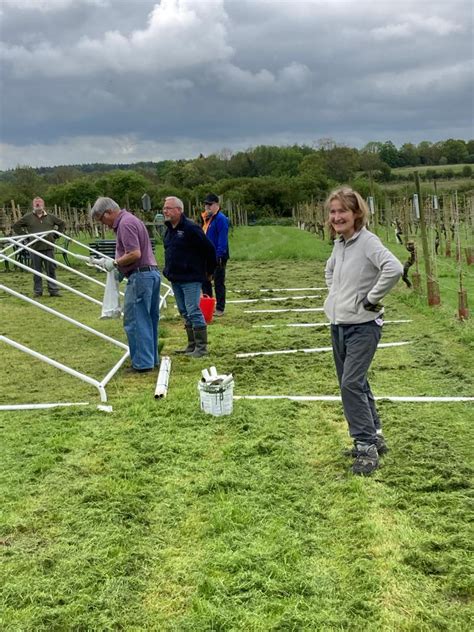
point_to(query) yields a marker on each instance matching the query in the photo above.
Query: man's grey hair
(176, 201)
(103, 204)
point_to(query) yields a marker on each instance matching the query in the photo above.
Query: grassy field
(159, 517)
(457, 168)
(427, 187)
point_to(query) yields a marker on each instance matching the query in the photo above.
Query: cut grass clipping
(159, 517)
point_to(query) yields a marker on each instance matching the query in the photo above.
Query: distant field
(423, 168)
(442, 186)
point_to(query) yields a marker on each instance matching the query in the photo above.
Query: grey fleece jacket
(358, 268)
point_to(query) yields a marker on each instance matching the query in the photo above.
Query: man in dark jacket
(216, 227)
(39, 221)
(190, 258)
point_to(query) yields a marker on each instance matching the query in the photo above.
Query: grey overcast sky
(128, 80)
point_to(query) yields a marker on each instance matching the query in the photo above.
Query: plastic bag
(111, 303)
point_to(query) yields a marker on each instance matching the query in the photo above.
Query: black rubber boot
(200, 336)
(381, 444)
(367, 459)
(191, 342)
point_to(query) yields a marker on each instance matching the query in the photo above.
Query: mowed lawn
(159, 517)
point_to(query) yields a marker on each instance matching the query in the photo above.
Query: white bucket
(216, 399)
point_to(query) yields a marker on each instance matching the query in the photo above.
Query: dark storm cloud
(148, 80)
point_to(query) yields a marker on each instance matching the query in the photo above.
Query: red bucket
(207, 305)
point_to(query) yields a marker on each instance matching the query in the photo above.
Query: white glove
(105, 263)
(109, 264)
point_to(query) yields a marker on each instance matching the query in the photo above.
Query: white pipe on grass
(50, 310)
(281, 311)
(161, 389)
(279, 298)
(284, 289)
(38, 406)
(383, 345)
(337, 398)
(385, 322)
(58, 365)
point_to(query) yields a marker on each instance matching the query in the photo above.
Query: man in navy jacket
(217, 230)
(190, 258)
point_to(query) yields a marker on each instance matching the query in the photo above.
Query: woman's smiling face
(341, 219)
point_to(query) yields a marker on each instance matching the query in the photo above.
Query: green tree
(389, 154)
(455, 151)
(27, 184)
(125, 187)
(77, 193)
(373, 147)
(409, 155)
(341, 163)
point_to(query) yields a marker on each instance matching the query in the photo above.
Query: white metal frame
(16, 243)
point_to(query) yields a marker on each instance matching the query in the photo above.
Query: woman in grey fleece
(359, 273)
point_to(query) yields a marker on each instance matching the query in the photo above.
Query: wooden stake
(463, 310)
(432, 283)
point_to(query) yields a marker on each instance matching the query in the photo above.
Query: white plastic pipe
(47, 278)
(279, 298)
(50, 310)
(281, 311)
(337, 398)
(385, 322)
(58, 365)
(383, 345)
(283, 289)
(161, 389)
(38, 406)
(59, 263)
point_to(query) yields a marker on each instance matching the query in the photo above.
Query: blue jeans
(187, 297)
(141, 313)
(354, 347)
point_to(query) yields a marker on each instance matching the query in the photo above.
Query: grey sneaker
(367, 459)
(381, 444)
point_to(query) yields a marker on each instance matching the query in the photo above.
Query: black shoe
(54, 294)
(381, 444)
(38, 294)
(367, 460)
(132, 369)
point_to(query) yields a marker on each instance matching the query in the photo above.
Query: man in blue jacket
(190, 258)
(217, 230)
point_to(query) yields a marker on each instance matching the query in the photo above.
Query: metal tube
(114, 369)
(50, 310)
(44, 276)
(58, 365)
(62, 265)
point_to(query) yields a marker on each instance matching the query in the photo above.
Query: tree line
(265, 180)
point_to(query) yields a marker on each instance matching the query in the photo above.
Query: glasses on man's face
(169, 208)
